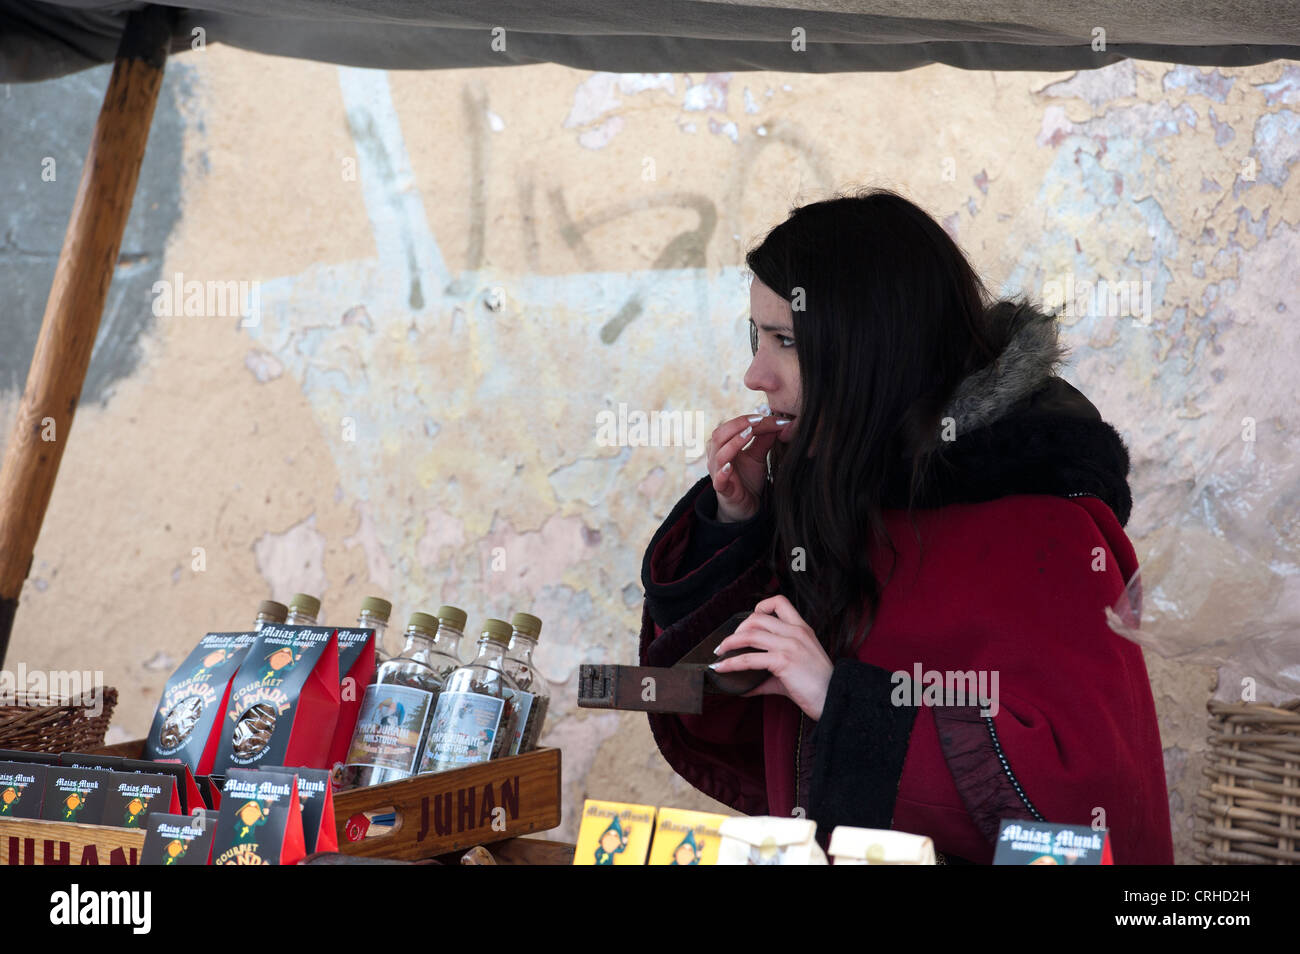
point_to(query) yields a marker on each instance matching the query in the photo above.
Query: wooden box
(435, 814)
(449, 811)
(25, 841)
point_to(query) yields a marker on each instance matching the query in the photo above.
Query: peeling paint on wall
(459, 271)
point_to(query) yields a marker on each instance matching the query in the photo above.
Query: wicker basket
(45, 724)
(1250, 815)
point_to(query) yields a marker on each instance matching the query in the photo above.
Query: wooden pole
(76, 302)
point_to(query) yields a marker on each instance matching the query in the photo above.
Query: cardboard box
(176, 840)
(686, 838)
(1042, 843)
(316, 802)
(614, 833)
(132, 796)
(22, 788)
(261, 821)
(74, 795)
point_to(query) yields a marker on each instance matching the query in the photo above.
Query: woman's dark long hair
(889, 317)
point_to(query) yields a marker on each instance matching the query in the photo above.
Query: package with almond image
(284, 701)
(186, 726)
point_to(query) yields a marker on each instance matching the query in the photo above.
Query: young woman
(922, 497)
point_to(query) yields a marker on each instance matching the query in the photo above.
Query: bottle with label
(269, 612)
(475, 717)
(303, 610)
(374, 615)
(533, 696)
(395, 710)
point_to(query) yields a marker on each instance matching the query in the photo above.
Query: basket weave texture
(1250, 814)
(37, 723)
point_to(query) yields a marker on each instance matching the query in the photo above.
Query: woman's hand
(739, 471)
(788, 649)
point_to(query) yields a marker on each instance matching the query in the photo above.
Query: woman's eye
(785, 341)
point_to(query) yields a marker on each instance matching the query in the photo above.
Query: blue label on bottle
(390, 726)
(464, 730)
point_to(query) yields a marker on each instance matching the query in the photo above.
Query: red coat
(1012, 582)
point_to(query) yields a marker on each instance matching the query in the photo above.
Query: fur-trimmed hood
(1019, 429)
(1032, 354)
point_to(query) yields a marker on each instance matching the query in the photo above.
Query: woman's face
(775, 368)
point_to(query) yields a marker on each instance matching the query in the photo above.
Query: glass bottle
(451, 629)
(303, 610)
(534, 697)
(374, 615)
(269, 612)
(395, 710)
(475, 716)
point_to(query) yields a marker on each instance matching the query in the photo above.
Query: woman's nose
(759, 377)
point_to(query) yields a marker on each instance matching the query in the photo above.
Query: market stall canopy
(39, 40)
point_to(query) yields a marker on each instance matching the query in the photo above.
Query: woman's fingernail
(755, 419)
(715, 665)
(725, 467)
(747, 431)
(763, 409)
(780, 422)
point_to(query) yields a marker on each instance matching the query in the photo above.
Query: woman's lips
(787, 431)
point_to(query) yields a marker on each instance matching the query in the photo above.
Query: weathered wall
(458, 270)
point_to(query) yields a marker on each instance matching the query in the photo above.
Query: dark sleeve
(709, 534)
(859, 747)
(693, 555)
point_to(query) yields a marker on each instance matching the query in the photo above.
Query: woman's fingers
(780, 607)
(744, 661)
(727, 430)
(754, 435)
(720, 466)
(765, 429)
(759, 632)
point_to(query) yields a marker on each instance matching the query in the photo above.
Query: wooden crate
(527, 786)
(26, 841)
(450, 811)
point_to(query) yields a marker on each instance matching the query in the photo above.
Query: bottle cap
(423, 622)
(377, 607)
(453, 616)
(275, 612)
(527, 623)
(497, 630)
(305, 603)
